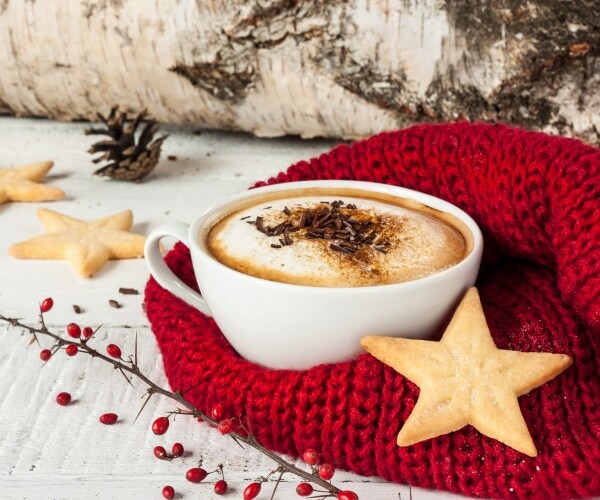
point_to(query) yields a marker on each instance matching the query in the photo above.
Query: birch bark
(343, 68)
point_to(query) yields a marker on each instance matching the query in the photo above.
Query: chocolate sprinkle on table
(128, 291)
(115, 304)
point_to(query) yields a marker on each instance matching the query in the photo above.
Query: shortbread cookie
(22, 183)
(465, 379)
(87, 246)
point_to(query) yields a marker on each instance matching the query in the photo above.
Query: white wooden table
(53, 452)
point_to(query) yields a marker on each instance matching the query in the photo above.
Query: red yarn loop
(537, 200)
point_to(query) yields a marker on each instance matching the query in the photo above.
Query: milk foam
(419, 245)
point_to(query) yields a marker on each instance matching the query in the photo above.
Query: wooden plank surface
(53, 452)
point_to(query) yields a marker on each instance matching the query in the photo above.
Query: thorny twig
(132, 367)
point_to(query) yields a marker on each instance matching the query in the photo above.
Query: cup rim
(424, 198)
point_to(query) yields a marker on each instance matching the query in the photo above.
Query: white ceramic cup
(286, 326)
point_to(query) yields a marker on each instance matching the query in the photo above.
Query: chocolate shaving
(259, 225)
(309, 218)
(76, 309)
(278, 229)
(302, 221)
(324, 218)
(338, 248)
(326, 222)
(246, 217)
(114, 303)
(128, 291)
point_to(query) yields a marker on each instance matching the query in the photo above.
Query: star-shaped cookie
(87, 246)
(465, 379)
(22, 183)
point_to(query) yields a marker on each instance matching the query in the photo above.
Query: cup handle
(161, 272)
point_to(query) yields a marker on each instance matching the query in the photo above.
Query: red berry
(113, 350)
(45, 354)
(108, 418)
(196, 475)
(46, 305)
(310, 456)
(160, 452)
(160, 426)
(304, 489)
(74, 330)
(347, 495)
(63, 398)
(217, 412)
(87, 332)
(221, 487)
(177, 449)
(168, 492)
(226, 426)
(71, 350)
(252, 491)
(326, 471)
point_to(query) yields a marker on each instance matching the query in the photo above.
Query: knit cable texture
(537, 200)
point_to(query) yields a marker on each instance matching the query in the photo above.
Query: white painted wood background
(53, 452)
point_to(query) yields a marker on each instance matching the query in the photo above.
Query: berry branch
(238, 431)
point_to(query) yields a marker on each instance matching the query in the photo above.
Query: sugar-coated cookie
(465, 379)
(22, 183)
(87, 246)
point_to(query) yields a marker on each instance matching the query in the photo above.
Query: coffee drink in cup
(284, 268)
(337, 238)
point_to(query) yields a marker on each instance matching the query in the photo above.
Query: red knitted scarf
(537, 200)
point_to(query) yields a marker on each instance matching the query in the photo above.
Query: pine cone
(128, 161)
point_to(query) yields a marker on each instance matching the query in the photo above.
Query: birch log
(343, 68)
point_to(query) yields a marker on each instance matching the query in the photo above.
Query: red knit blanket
(537, 200)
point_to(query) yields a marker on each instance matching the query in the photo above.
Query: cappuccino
(338, 238)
